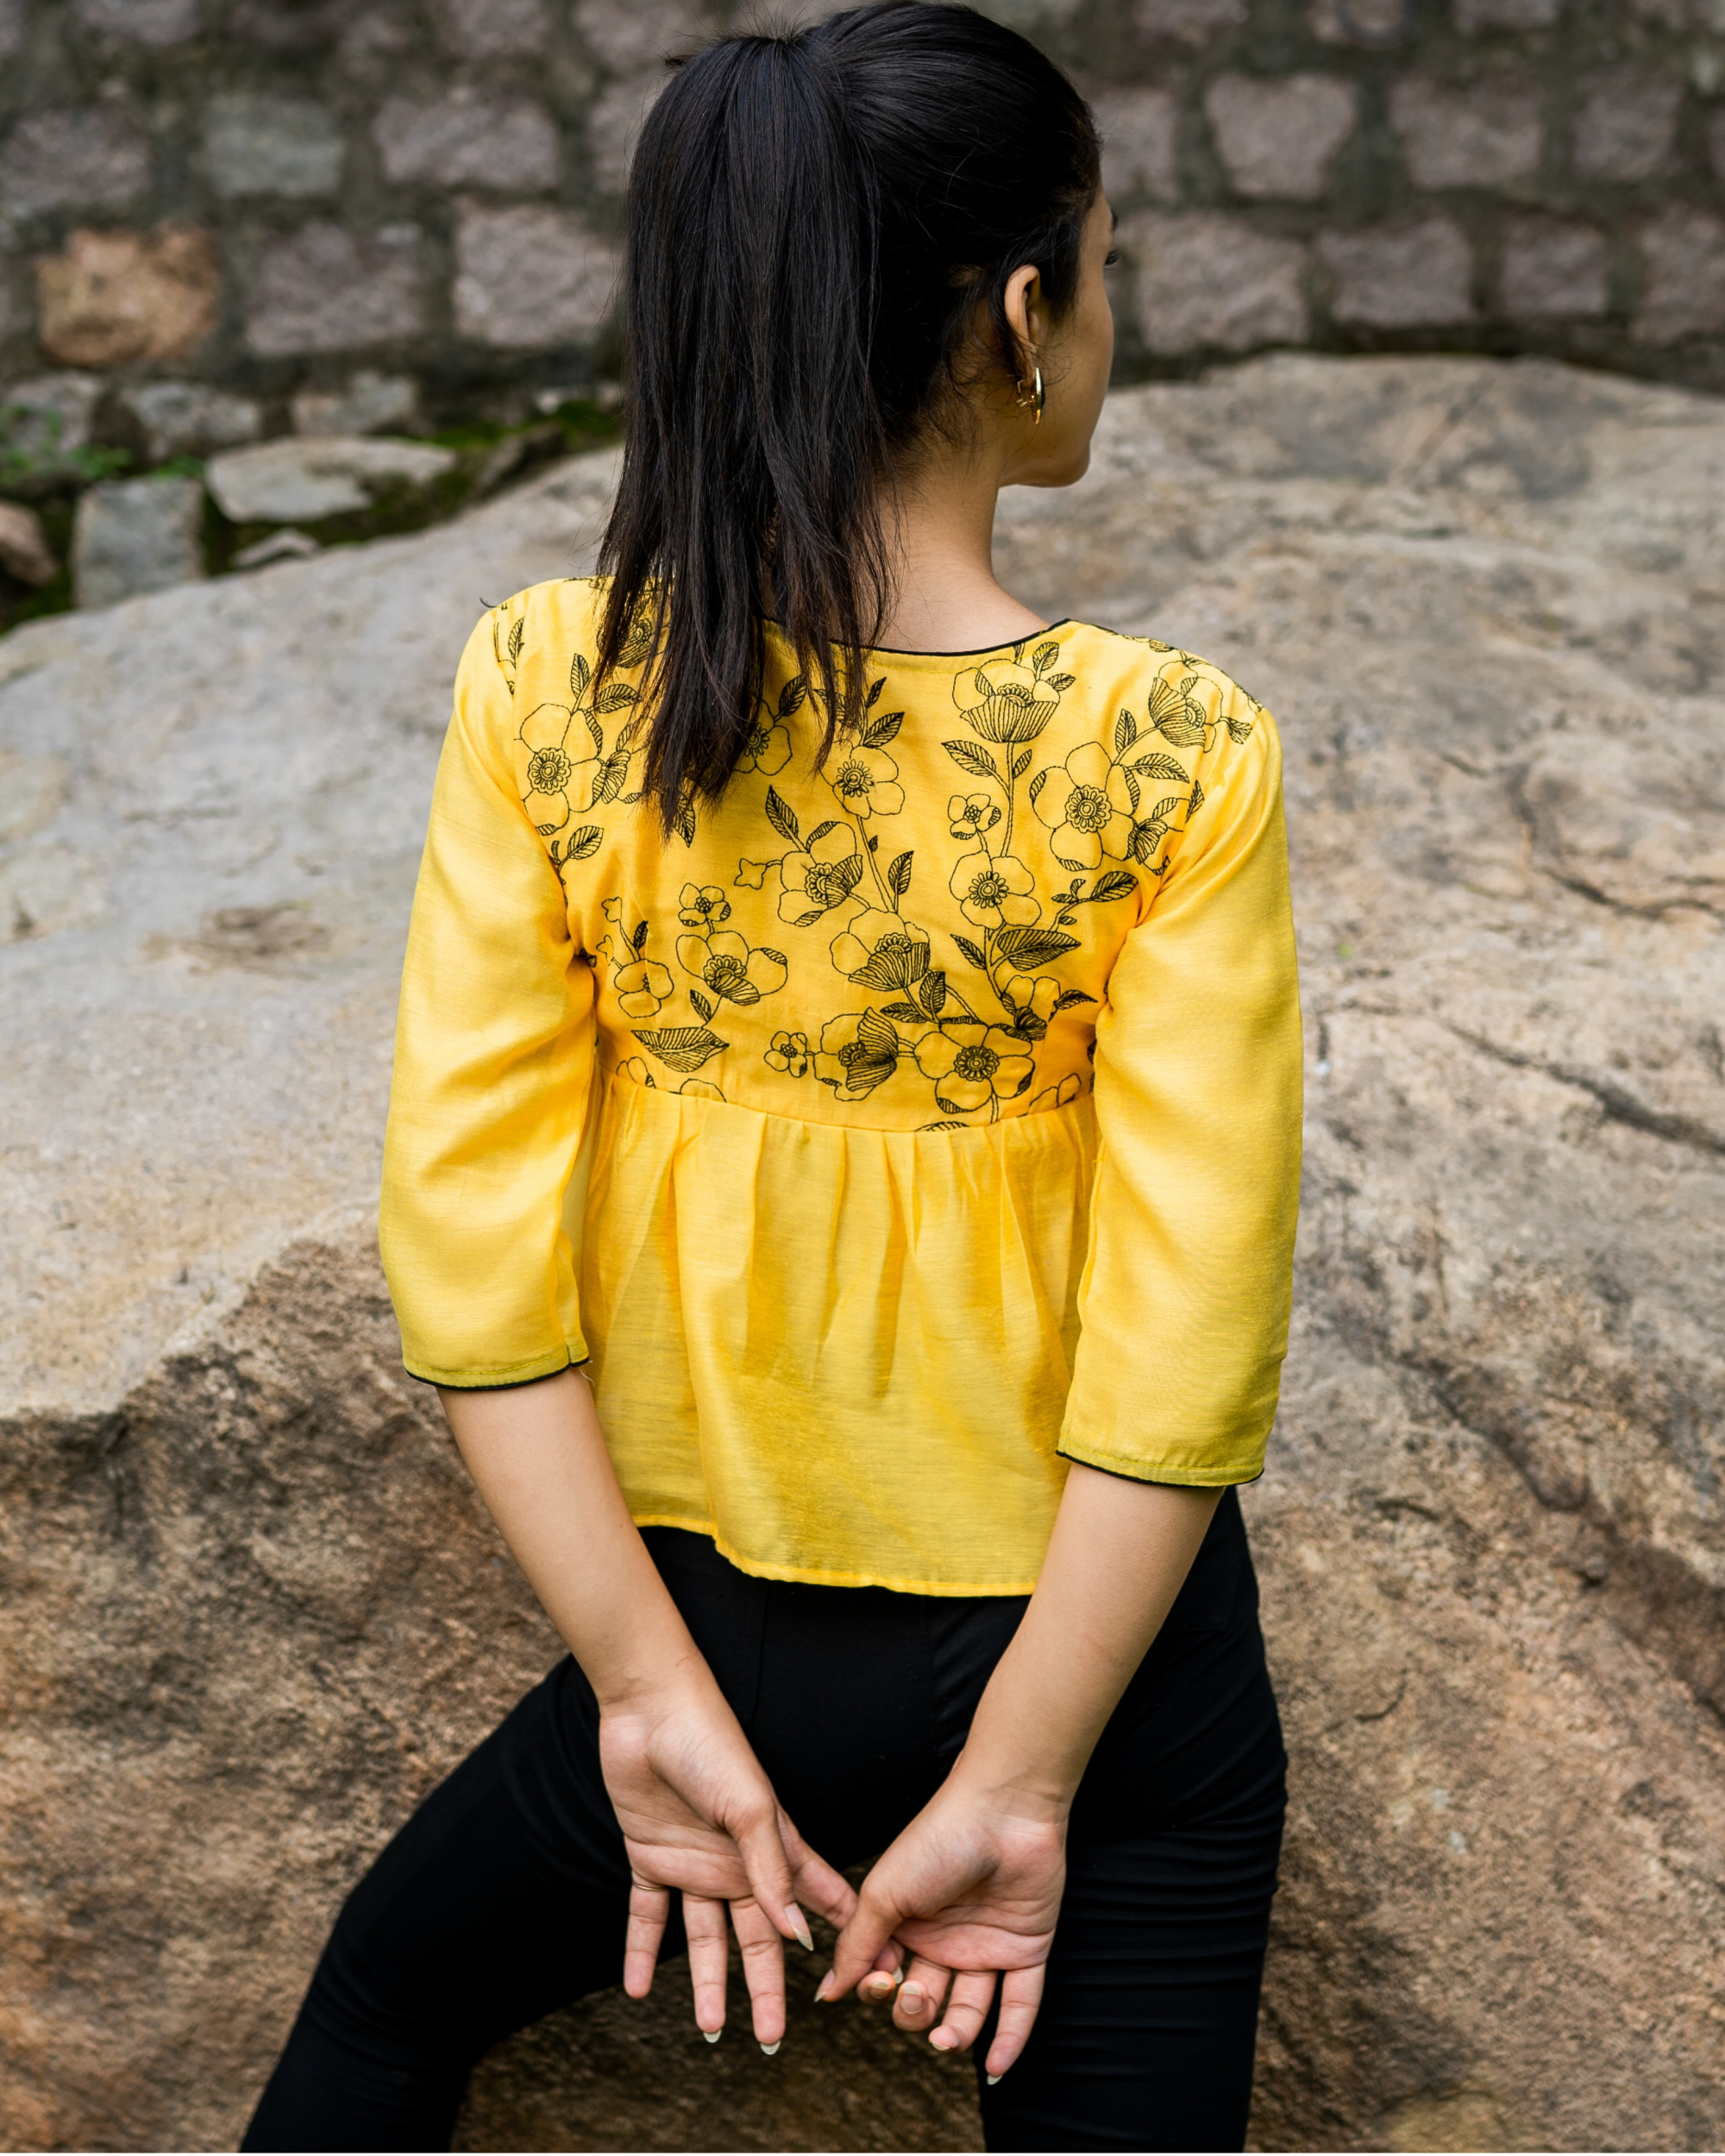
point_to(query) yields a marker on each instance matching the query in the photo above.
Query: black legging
(506, 1895)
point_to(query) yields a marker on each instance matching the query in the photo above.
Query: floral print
(966, 1008)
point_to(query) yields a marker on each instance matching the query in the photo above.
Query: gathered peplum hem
(809, 1340)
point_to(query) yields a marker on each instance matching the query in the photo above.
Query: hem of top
(1158, 1470)
(818, 1576)
(498, 1377)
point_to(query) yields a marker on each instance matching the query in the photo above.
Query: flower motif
(635, 1069)
(820, 878)
(643, 987)
(730, 968)
(768, 749)
(1006, 700)
(1032, 1001)
(1058, 1096)
(972, 1064)
(751, 875)
(867, 782)
(969, 813)
(992, 890)
(558, 785)
(703, 906)
(857, 1052)
(790, 1053)
(1177, 715)
(701, 1088)
(1087, 803)
(879, 951)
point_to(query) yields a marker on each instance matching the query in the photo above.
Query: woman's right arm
(698, 1813)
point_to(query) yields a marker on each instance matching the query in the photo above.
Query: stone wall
(268, 196)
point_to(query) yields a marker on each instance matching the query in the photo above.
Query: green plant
(31, 451)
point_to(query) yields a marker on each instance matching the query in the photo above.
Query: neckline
(935, 658)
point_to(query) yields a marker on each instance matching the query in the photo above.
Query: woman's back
(845, 1107)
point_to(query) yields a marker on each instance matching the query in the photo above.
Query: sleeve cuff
(497, 1377)
(1220, 1477)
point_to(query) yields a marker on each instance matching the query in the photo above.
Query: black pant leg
(504, 1896)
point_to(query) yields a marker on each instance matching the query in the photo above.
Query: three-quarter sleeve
(1183, 1304)
(493, 1066)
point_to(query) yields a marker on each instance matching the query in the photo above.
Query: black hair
(815, 219)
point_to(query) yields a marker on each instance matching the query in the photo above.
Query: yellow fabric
(939, 1114)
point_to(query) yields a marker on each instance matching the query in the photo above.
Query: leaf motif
(580, 674)
(1065, 863)
(616, 696)
(806, 920)
(1060, 682)
(1117, 884)
(1240, 729)
(1045, 656)
(1133, 789)
(1020, 765)
(783, 816)
(906, 1013)
(684, 822)
(517, 632)
(1166, 810)
(597, 733)
(1161, 766)
(877, 1034)
(583, 843)
(1029, 948)
(777, 956)
(899, 875)
(1145, 838)
(701, 1003)
(850, 871)
(1197, 801)
(1036, 786)
(1068, 997)
(933, 990)
(874, 695)
(684, 1047)
(882, 730)
(1125, 733)
(790, 697)
(948, 1126)
(638, 643)
(973, 952)
(821, 829)
(638, 940)
(973, 758)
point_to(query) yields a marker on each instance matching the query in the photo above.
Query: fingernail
(823, 1989)
(712, 2035)
(942, 2042)
(911, 1995)
(993, 2078)
(770, 2049)
(798, 1924)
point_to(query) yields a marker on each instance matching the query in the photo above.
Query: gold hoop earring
(1031, 394)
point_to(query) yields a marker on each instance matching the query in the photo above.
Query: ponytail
(813, 219)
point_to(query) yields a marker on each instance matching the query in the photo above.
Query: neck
(940, 529)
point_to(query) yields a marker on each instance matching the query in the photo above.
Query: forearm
(538, 1457)
(1119, 1555)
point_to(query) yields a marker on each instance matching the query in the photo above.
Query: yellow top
(882, 1135)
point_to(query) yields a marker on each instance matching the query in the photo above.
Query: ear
(1023, 312)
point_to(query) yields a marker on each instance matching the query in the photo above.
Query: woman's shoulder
(1163, 690)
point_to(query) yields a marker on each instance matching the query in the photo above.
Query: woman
(841, 1171)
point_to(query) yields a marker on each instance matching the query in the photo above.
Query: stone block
(1399, 276)
(1188, 22)
(1211, 282)
(300, 479)
(113, 298)
(1471, 16)
(1480, 135)
(158, 22)
(1553, 268)
(1367, 23)
(325, 288)
(133, 536)
(1682, 292)
(615, 119)
(79, 154)
(626, 36)
(1627, 126)
(25, 552)
(468, 138)
(271, 145)
(50, 412)
(477, 29)
(528, 278)
(180, 419)
(366, 404)
(1279, 139)
(1140, 131)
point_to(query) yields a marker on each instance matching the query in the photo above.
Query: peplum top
(882, 1139)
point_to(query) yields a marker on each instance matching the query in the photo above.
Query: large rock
(253, 1609)
(323, 475)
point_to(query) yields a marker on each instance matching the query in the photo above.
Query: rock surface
(252, 1609)
(132, 535)
(321, 475)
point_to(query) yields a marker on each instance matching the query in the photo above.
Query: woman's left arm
(972, 1887)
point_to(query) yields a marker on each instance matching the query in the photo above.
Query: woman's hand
(972, 1888)
(699, 1815)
